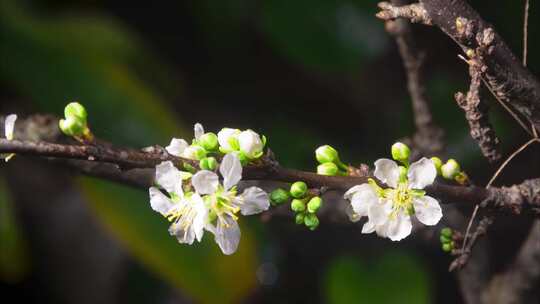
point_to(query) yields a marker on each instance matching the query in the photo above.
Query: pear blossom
(9, 127)
(180, 147)
(228, 139)
(250, 144)
(389, 210)
(186, 211)
(224, 203)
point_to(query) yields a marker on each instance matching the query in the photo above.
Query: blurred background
(304, 73)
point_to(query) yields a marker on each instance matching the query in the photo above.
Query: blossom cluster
(389, 210)
(200, 202)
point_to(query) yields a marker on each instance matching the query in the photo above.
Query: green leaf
(391, 278)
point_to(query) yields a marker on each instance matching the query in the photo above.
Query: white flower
(179, 147)
(228, 139)
(9, 126)
(389, 210)
(224, 203)
(250, 144)
(187, 212)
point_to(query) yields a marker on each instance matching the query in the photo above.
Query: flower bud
(279, 196)
(447, 232)
(438, 163)
(251, 144)
(209, 141)
(326, 154)
(194, 152)
(329, 169)
(228, 140)
(447, 247)
(311, 221)
(299, 218)
(71, 126)
(75, 109)
(450, 169)
(208, 163)
(444, 239)
(298, 205)
(298, 189)
(314, 204)
(401, 152)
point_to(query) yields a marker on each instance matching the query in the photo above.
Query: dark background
(304, 73)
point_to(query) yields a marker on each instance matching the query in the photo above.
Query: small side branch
(428, 139)
(414, 12)
(475, 110)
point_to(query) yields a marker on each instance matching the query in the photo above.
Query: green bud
(279, 196)
(75, 109)
(444, 239)
(447, 232)
(209, 141)
(329, 169)
(438, 163)
(298, 189)
(311, 221)
(402, 174)
(299, 218)
(72, 126)
(447, 247)
(314, 204)
(298, 205)
(401, 152)
(450, 169)
(208, 163)
(326, 154)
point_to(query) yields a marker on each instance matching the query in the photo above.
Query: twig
(428, 138)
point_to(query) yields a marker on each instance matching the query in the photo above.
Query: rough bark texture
(505, 74)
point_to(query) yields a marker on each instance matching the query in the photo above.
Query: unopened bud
(208, 163)
(438, 163)
(75, 109)
(329, 169)
(326, 154)
(279, 196)
(311, 221)
(298, 205)
(450, 169)
(209, 141)
(298, 189)
(314, 204)
(401, 152)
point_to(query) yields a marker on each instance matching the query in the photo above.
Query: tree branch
(428, 138)
(509, 80)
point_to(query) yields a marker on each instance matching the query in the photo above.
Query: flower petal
(231, 170)
(159, 201)
(183, 236)
(353, 217)
(205, 182)
(9, 126)
(200, 220)
(250, 143)
(427, 210)
(198, 130)
(169, 177)
(422, 173)
(363, 198)
(177, 147)
(253, 200)
(387, 171)
(227, 234)
(378, 213)
(368, 227)
(349, 194)
(399, 227)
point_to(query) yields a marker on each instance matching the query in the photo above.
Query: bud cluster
(304, 204)
(329, 162)
(447, 242)
(450, 170)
